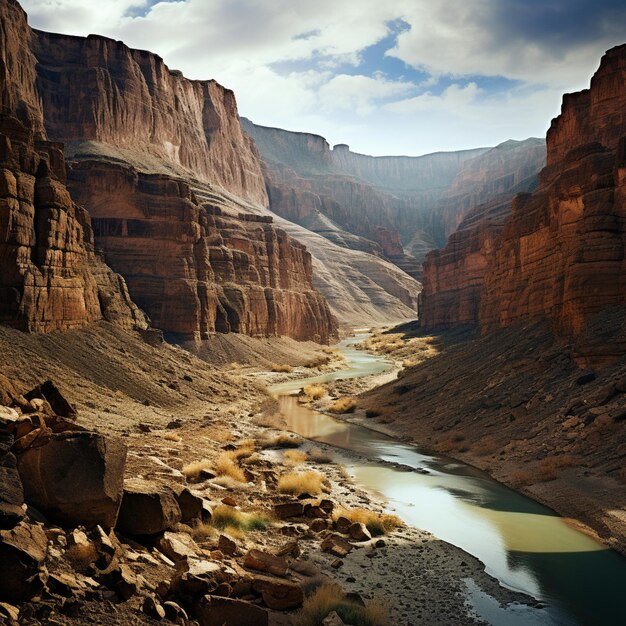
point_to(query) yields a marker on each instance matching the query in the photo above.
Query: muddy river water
(523, 544)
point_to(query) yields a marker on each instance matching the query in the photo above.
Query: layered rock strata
(560, 254)
(195, 269)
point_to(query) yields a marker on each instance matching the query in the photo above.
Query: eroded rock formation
(560, 254)
(195, 269)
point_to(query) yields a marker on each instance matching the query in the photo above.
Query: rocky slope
(137, 131)
(560, 253)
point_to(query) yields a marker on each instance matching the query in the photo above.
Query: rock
(586, 378)
(226, 545)
(65, 585)
(277, 593)
(336, 564)
(342, 525)
(147, 508)
(49, 392)
(175, 613)
(75, 478)
(122, 580)
(178, 546)
(8, 415)
(285, 510)
(207, 511)
(337, 545)
(218, 611)
(265, 562)
(23, 551)
(318, 525)
(11, 491)
(9, 613)
(332, 619)
(153, 609)
(229, 501)
(291, 548)
(358, 531)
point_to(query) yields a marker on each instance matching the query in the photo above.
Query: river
(523, 544)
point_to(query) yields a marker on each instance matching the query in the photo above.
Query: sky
(384, 76)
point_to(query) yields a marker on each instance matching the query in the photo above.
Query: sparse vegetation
(314, 392)
(297, 483)
(282, 440)
(331, 597)
(294, 457)
(81, 556)
(376, 523)
(372, 413)
(281, 367)
(229, 519)
(192, 471)
(343, 405)
(550, 467)
(227, 466)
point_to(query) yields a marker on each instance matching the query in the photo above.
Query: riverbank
(516, 405)
(211, 432)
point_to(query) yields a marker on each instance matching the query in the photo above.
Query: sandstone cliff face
(50, 277)
(194, 269)
(128, 101)
(482, 192)
(560, 254)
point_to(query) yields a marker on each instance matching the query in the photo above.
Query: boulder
(226, 545)
(178, 546)
(265, 562)
(11, 491)
(342, 525)
(191, 506)
(285, 510)
(147, 508)
(23, 550)
(75, 478)
(277, 593)
(218, 611)
(49, 392)
(337, 545)
(358, 531)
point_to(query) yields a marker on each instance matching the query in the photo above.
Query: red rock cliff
(50, 276)
(194, 269)
(560, 254)
(99, 90)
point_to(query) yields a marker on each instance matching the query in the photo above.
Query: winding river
(523, 544)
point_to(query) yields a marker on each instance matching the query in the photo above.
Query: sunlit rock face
(560, 253)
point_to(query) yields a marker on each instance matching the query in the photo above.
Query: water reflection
(525, 545)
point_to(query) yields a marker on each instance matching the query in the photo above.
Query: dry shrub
(549, 468)
(203, 531)
(521, 478)
(486, 446)
(275, 421)
(82, 556)
(331, 597)
(317, 362)
(314, 392)
(294, 457)
(317, 455)
(282, 440)
(221, 434)
(296, 483)
(372, 413)
(229, 519)
(377, 523)
(192, 471)
(343, 405)
(172, 437)
(245, 449)
(227, 466)
(450, 442)
(281, 367)
(409, 363)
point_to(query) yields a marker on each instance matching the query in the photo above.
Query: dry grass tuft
(192, 471)
(331, 597)
(486, 446)
(203, 531)
(521, 478)
(318, 362)
(281, 367)
(282, 440)
(296, 483)
(549, 468)
(343, 405)
(227, 466)
(172, 437)
(314, 392)
(377, 523)
(231, 520)
(294, 457)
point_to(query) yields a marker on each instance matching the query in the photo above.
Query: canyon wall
(137, 135)
(560, 254)
(194, 268)
(50, 278)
